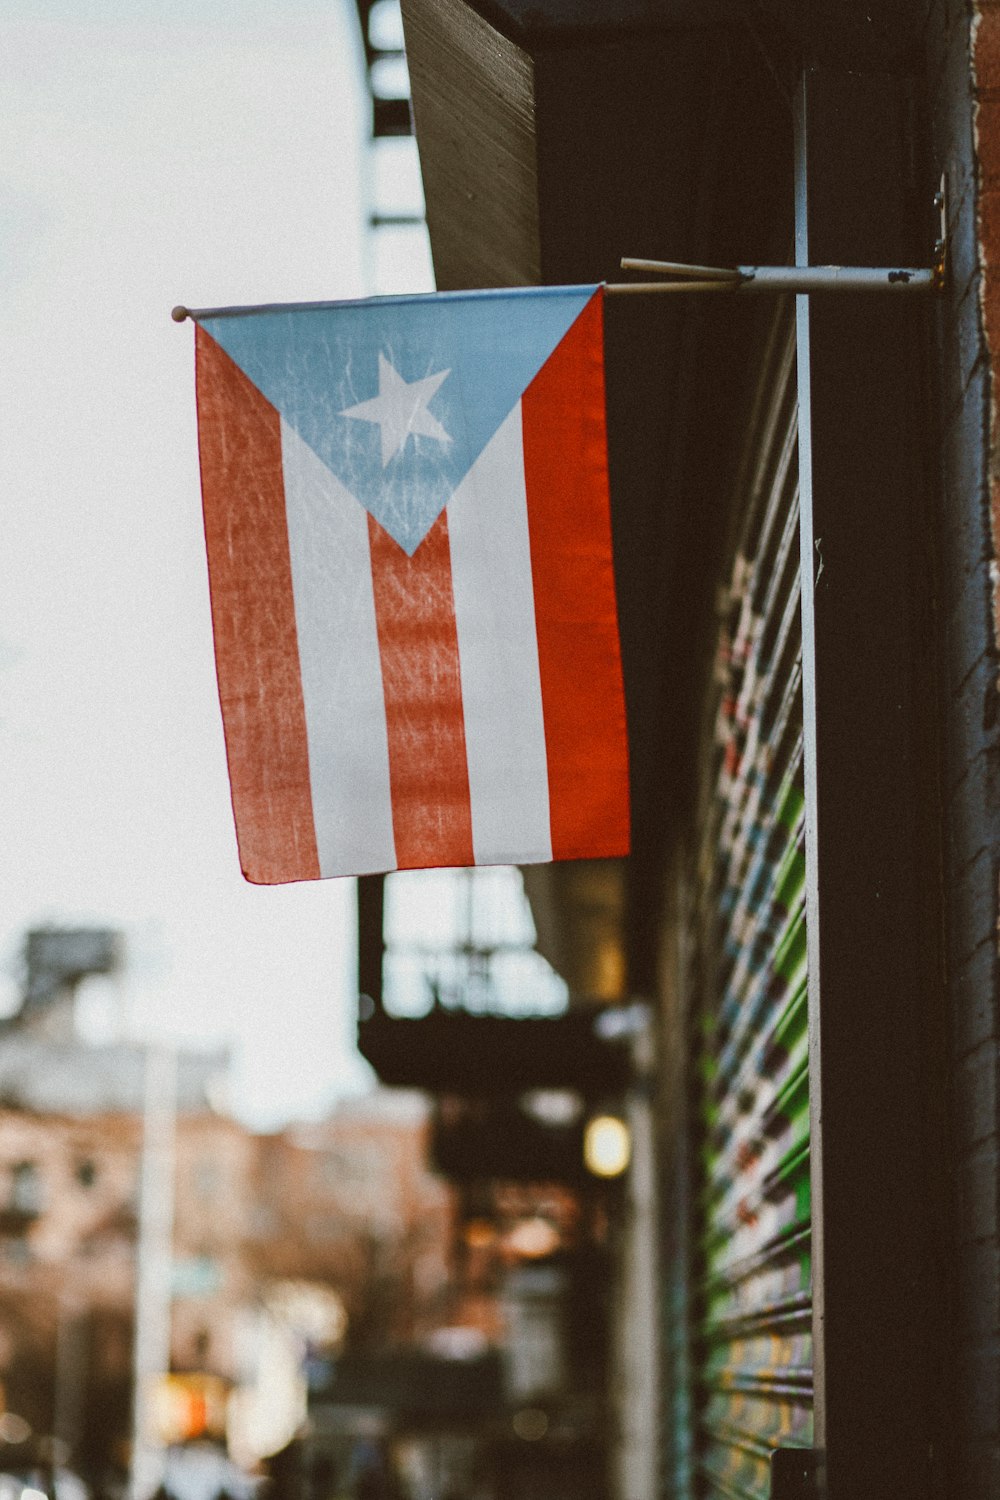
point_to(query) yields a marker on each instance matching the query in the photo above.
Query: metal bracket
(798, 1474)
(802, 280)
(941, 243)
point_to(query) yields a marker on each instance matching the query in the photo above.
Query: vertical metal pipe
(807, 545)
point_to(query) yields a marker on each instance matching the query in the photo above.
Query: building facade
(805, 529)
(268, 1255)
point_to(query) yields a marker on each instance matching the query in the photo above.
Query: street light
(607, 1146)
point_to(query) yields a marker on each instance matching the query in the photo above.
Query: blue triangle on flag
(414, 431)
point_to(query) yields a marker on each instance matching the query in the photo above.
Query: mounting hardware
(941, 243)
(802, 280)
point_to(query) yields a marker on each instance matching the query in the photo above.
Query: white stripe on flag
(340, 664)
(498, 653)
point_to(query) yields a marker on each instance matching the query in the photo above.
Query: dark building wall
(963, 71)
(961, 52)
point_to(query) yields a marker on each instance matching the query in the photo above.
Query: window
(464, 939)
(26, 1188)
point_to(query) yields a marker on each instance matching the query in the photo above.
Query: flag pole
(681, 278)
(622, 288)
(681, 271)
(678, 276)
(757, 279)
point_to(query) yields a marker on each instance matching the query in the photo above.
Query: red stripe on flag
(418, 643)
(569, 521)
(253, 614)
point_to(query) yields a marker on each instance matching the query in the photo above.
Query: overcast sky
(205, 152)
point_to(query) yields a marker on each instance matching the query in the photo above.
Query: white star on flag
(400, 409)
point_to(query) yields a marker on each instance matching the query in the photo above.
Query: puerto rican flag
(409, 546)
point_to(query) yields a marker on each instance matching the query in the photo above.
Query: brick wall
(963, 56)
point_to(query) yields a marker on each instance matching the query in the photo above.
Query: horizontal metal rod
(799, 279)
(623, 288)
(836, 279)
(678, 268)
(495, 294)
(679, 278)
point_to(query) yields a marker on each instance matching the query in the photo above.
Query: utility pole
(154, 1260)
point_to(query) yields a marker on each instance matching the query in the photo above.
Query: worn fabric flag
(409, 545)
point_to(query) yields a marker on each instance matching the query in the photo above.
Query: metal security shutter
(749, 1314)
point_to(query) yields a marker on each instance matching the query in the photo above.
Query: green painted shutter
(749, 1301)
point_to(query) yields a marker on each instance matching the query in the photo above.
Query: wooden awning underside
(555, 138)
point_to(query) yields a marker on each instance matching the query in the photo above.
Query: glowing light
(607, 1146)
(479, 1234)
(14, 1429)
(533, 1238)
(553, 1106)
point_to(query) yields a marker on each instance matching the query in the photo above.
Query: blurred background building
(278, 1251)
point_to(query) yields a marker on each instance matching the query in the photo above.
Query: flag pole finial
(179, 314)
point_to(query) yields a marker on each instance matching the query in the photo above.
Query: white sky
(206, 152)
